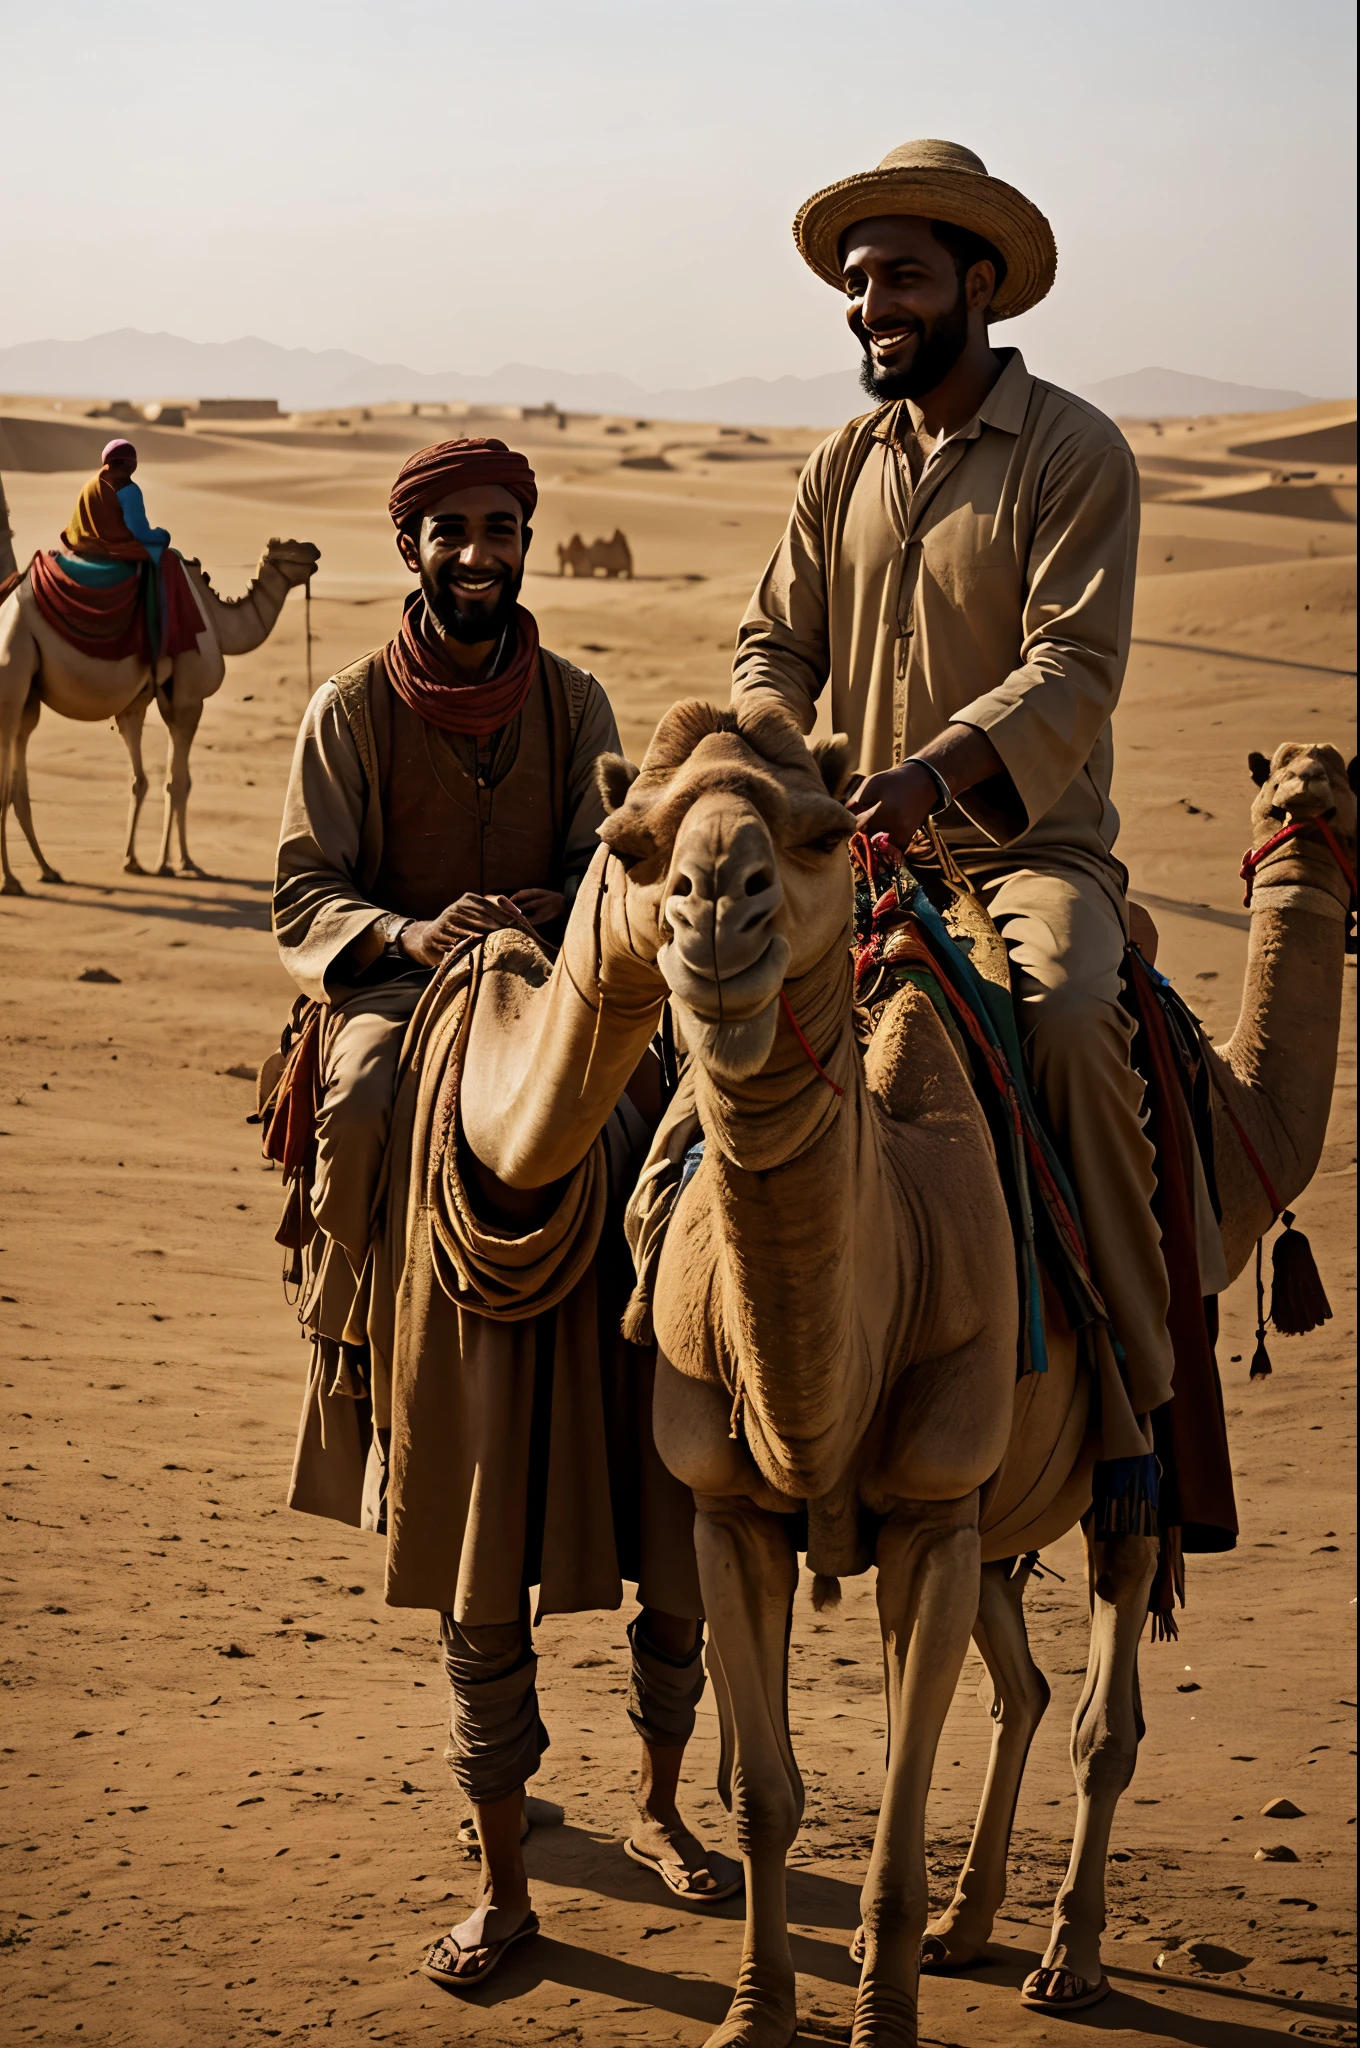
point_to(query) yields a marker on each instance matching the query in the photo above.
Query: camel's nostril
(683, 886)
(759, 882)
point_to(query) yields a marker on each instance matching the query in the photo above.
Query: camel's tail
(826, 1593)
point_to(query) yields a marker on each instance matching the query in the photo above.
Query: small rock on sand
(98, 974)
(1281, 1853)
(1282, 1809)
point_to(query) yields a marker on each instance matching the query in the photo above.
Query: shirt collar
(1004, 407)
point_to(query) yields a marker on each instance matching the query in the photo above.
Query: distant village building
(237, 409)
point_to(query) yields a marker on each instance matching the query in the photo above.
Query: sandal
(935, 1960)
(441, 1960)
(1031, 1993)
(724, 1877)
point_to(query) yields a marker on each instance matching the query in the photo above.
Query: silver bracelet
(946, 793)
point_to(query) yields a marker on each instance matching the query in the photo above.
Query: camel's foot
(51, 875)
(132, 866)
(952, 1944)
(12, 886)
(760, 2016)
(1072, 1952)
(187, 871)
(886, 2008)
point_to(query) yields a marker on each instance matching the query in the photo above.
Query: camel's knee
(139, 785)
(1105, 1755)
(178, 785)
(768, 1812)
(1124, 1571)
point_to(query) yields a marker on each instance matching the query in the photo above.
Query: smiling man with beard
(443, 788)
(957, 574)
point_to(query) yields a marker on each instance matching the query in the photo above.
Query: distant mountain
(1154, 394)
(130, 364)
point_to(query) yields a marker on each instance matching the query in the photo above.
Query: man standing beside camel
(958, 569)
(443, 788)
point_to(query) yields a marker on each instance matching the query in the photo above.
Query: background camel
(857, 1353)
(37, 667)
(613, 557)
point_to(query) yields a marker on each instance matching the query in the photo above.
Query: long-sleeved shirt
(155, 539)
(366, 816)
(990, 585)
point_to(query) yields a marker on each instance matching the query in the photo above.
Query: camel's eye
(825, 842)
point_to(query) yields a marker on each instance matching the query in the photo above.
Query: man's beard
(476, 623)
(938, 350)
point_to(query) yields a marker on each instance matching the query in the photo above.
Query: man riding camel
(442, 789)
(90, 590)
(958, 569)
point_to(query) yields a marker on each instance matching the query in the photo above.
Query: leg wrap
(495, 1735)
(664, 1691)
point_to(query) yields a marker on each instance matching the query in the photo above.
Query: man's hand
(896, 801)
(899, 800)
(471, 917)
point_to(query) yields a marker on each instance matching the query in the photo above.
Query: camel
(613, 556)
(38, 667)
(834, 1308)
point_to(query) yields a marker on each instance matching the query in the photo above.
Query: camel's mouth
(728, 1022)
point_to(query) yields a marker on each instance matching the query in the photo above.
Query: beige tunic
(331, 847)
(996, 593)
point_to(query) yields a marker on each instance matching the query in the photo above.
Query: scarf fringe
(1124, 1495)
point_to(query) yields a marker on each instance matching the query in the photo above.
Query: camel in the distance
(38, 667)
(834, 1305)
(613, 556)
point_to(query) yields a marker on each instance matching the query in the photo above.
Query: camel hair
(834, 1306)
(38, 667)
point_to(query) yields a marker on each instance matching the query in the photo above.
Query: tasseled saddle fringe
(1124, 1495)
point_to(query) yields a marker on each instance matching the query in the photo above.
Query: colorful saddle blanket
(122, 609)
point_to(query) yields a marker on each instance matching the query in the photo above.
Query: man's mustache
(907, 324)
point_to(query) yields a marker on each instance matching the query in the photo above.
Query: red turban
(123, 449)
(435, 473)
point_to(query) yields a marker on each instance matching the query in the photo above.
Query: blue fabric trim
(95, 575)
(155, 539)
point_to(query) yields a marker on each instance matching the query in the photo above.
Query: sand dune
(280, 1843)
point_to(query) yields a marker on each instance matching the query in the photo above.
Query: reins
(787, 1007)
(1252, 858)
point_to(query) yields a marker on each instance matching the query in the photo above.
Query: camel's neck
(547, 1063)
(783, 1167)
(1278, 1067)
(245, 623)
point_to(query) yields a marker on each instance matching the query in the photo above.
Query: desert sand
(246, 1692)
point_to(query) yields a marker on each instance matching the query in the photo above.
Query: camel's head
(734, 843)
(295, 560)
(1302, 780)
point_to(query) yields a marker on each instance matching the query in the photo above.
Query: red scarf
(427, 682)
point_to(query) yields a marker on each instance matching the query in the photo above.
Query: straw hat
(942, 181)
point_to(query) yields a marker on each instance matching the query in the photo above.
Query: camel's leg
(1106, 1731)
(10, 715)
(23, 809)
(748, 1570)
(929, 1563)
(182, 721)
(1020, 1698)
(131, 723)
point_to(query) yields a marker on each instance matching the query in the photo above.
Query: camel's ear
(1353, 774)
(614, 777)
(1259, 766)
(835, 761)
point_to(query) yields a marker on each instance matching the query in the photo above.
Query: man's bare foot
(469, 1952)
(686, 1868)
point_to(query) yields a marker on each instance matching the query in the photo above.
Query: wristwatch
(391, 927)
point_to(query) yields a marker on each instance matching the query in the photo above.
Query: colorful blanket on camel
(914, 925)
(147, 611)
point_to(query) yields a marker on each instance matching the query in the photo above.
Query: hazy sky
(608, 184)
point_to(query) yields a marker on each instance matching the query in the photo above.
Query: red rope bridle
(1252, 858)
(798, 1034)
